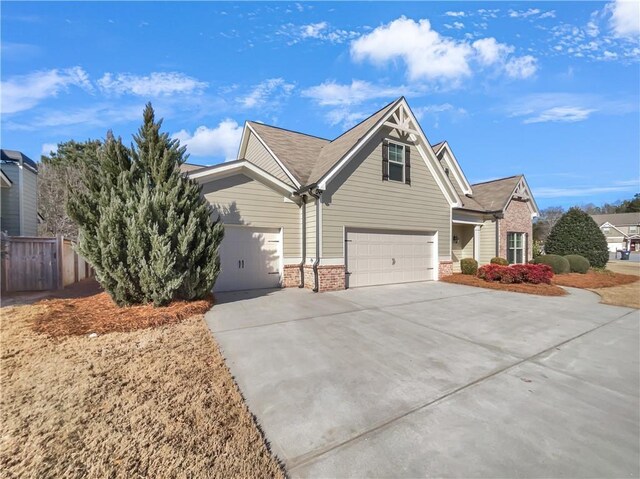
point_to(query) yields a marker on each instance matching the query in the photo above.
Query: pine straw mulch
(539, 289)
(158, 402)
(594, 279)
(98, 313)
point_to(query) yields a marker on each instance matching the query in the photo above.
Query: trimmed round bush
(559, 264)
(576, 233)
(577, 263)
(469, 266)
(499, 260)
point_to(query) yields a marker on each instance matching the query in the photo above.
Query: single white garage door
(249, 258)
(377, 257)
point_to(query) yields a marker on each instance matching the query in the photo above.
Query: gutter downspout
(304, 239)
(316, 193)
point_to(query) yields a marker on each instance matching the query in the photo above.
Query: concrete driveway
(434, 379)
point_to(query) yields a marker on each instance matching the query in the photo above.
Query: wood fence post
(60, 260)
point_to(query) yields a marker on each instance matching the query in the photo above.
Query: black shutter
(385, 160)
(407, 165)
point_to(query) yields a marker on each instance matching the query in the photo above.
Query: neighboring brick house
(377, 205)
(19, 189)
(622, 230)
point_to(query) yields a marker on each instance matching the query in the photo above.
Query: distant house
(621, 229)
(19, 189)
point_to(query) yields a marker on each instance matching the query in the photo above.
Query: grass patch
(156, 402)
(594, 279)
(539, 289)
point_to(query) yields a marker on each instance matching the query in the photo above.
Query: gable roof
(308, 158)
(618, 219)
(297, 151)
(188, 167)
(494, 195)
(13, 156)
(337, 149)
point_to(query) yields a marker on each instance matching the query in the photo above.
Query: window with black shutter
(396, 162)
(385, 160)
(407, 165)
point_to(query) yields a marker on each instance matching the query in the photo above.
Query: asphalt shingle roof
(618, 219)
(17, 156)
(309, 157)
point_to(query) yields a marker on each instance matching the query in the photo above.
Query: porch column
(476, 242)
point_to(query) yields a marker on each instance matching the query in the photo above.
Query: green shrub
(559, 264)
(469, 266)
(500, 261)
(577, 263)
(576, 233)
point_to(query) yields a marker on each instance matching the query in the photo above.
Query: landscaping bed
(539, 289)
(99, 314)
(155, 402)
(594, 279)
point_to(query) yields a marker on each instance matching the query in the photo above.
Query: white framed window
(606, 230)
(396, 162)
(516, 248)
(633, 229)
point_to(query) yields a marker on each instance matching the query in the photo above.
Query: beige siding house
(622, 230)
(377, 205)
(19, 194)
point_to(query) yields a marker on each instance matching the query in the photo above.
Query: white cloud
(316, 31)
(426, 53)
(222, 140)
(266, 92)
(431, 56)
(421, 111)
(625, 17)
(549, 14)
(564, 114)
(455, 14)
(489, 13)
(153, 85)
(23, 92)
(345, 117)
(521, 67)
(524, 13)
(491, 51)
(456, 25)
(48, 148)
(331, 93)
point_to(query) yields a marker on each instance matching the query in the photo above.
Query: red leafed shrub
(517, 273)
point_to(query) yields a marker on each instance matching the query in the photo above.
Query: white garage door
(249, 259)
(375, 257)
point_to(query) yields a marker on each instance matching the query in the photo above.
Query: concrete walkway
(434, 379)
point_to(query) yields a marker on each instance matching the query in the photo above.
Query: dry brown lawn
(539, 289)
(158, 402)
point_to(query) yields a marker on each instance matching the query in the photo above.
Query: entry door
(375, 257)
(249, 259)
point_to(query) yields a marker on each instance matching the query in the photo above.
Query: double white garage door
(382, 257)
(251, 258)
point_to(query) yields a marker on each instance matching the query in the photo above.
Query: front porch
(465, 242)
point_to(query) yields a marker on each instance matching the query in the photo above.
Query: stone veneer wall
(445, 268)
(517, 219)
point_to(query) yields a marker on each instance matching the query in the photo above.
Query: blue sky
(548, 89)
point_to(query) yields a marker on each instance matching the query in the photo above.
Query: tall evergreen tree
(143, 225)
(577, 233)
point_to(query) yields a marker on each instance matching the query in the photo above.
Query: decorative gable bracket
(401, 121)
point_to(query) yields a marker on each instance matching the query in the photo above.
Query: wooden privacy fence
(37, 264)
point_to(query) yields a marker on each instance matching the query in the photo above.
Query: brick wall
(517, 219)
(291, 276)
(330, 277)
(445, 268)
